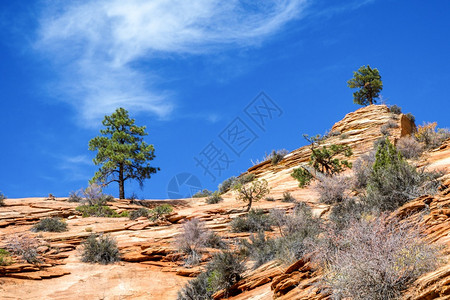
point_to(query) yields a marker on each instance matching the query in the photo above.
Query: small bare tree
(251, 192)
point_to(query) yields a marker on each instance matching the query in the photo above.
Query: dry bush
(430, 136)
(395, 109)
(287, 197)
(332, 189)
(2, 199)
(221, 273)
(374, 259)
(76, 196)
(202, 193)
(409, 147)
(140, 212)
(24, 246)
(214, 198)
(194, 238)
(101, 250)
(256, 220)
(50, 225)
(362, 168)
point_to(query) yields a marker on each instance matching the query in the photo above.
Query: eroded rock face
(152, 268)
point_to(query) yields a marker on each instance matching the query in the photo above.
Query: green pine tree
(369, 83)
(122, 152)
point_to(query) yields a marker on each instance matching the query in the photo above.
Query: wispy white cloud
(96, 45)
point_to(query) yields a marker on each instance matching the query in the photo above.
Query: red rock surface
(151, 268)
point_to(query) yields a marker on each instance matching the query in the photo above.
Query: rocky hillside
(150, 266)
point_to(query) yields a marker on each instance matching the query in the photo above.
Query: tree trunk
(249, 205)
(121, 183)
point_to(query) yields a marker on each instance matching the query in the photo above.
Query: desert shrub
(298, 230)
(303, 176)
(244, 179)
(287, 197)
(270, 199)
(76, 196)
(161, 211)
(133, 197)
(393, 181)
(343, 213)
(5, 258)
(411, 117)
(251, 192)
(256, 220)
(276, 156)
(50, 225)
(224, 270)
(93, 195)
(24, 246)
(99, 211)
(2, 199)
(202, 193)
(197, 289)
(430, 136)
(258, 248)
(409, 147)
(332, 189)
(395, 109)
(385, 127)
(140, 212)
(194, 237)
(102, 249)
(214, 198)
(343, 136)
(374, 259)
(221, 273)
(323, 158)
(227, 184)
(362, 168)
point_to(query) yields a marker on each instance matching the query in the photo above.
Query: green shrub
(50, 225)
(197, 289)
(256, 220)
(203, 193)
(214, 198)
(393, 181)
(99, 211)
(5, 258)
(251, 192)
(323, 158)
(222, 272)
(140, 212)
(161, 211)
(270, 199)
(287, 197)
(303, 176)
(101, 250)
(375, 259)
(227, 184)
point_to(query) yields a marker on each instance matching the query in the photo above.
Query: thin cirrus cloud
(95, 46)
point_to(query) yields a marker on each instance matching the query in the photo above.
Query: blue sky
(188, 69)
